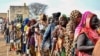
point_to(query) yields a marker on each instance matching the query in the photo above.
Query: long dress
(68, 41)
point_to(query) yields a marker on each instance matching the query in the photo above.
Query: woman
(12, 37)
(86, 34)
(25, 26)
(30, 37)
(18, 35)
(38, 40)
(7, 35)
(59, 34)
(75, 17)
(42, 24)
(24, 30)
(47, 37)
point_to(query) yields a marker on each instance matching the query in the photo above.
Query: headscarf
(56, 15)
(24, 25)
(65, 19)
(84, 27)
(75, 14)
(80, 26)
(26, 21)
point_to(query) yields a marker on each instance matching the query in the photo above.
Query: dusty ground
(4, 49)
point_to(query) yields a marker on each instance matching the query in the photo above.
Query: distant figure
(7, 35)
(42, 23)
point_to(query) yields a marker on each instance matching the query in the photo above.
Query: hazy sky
(65, 6)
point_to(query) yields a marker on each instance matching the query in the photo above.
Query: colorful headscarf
(26, 21)
(84, 27)
(75, 14)
(80, 26)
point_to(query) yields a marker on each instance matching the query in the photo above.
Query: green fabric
(63, 53)
(64, 15)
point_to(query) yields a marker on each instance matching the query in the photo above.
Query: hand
(98, 30)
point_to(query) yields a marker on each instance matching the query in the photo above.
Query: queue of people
(59, 35)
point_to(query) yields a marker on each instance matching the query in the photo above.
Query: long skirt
(68, 44)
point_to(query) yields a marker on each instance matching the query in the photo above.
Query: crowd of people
(59, 35)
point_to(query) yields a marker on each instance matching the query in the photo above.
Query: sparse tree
(37, 8)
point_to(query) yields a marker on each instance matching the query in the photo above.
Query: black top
(84, 44)
(7, 31)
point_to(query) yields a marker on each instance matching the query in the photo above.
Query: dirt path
(4, 49)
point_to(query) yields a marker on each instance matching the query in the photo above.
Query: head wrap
(75, 14)
(56, 15)
(26, 21)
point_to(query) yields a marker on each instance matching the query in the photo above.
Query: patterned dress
(59, 34)
(68, 41)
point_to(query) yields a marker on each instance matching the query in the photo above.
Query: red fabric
(91, 34)
(84, 27)
(78, 53)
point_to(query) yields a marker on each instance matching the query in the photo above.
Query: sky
(64, 6)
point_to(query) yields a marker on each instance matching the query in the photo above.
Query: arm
(54, 32)
(80, 43)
